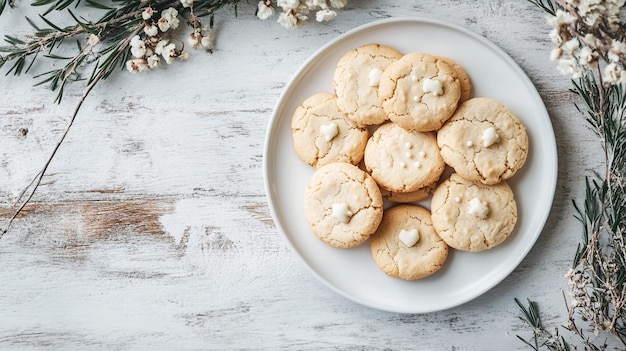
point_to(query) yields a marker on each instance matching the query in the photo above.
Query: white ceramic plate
(353, 273)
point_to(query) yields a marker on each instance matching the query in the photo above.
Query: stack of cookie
(393, 124)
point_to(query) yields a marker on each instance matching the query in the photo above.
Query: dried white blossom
(169, 19)
(169, 53)
(158, 49)
(315, 4)
(194, 39)
(561, 18)
(618, 48)
(153, 61)
(150, 30)
(287, 5)
(338, 4)
(147, 13)
(265, 9)
(571, 45)
(287, 20)
(137, 47)
(612, 73)
(587, 57)
(186, 3)
(136, 65)
(325, 15)
(556, 54)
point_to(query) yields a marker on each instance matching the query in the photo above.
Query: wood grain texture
(151, 228)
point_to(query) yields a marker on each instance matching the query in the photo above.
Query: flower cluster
(153, 47)
(295, 12)
(589, 35)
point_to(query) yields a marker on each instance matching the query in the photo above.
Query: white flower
(556, 54)
(164, 25)
(560, 18)
(288, 4)
(150, 30)
(555, 36)
(287, 20)
(147, 13)
(137, 47)
(315, 4)
(169, 19)
(184, 56)
(618, 48)
(158, 49)
(612, 73)
(265, 10)
(154, 61)
(571, 45)
(194, 39)
(586, 56)
(169, 53)
(566, 66)
(338, 4)
(136, 65)
(186, 3)
(325, 15)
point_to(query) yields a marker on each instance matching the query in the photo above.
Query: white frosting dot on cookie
(416, 98)
(490, 137)
(414, 78)
(478, 208)
(374, 77)
(341, 212)
(457, 199)
(408, 154)
(408, 145)
(469, 143)
(329, 131)
(432, 86)
(422, 154)
(402, 165)
(409, 237)
(418, 165)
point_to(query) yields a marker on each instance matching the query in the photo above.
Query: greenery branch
(591, 47)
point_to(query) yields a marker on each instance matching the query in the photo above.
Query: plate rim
(272, 127)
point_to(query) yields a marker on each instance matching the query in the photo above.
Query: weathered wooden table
(151, 228)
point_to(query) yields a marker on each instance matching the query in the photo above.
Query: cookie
(484, 141)
(356, 79)
(413, 196)
(406, 245)
(472, 216)
(403, 161)
(323, 134)
(419, 92)
(343, 205)
(464, 80)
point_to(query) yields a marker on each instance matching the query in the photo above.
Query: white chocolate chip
(478, 208)
(329, 131)
(432, 86)
(374, 77)
(409, 237)
(341, 212)
(490, 137)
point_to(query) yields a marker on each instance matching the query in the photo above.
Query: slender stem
(36, 182)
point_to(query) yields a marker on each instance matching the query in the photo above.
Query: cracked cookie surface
(464, 80)
(395, 257)
(472, 216)
(403, 161)
(323, 134)
(343, 205)
(419, 91)
(466, 146)
(356, 80)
